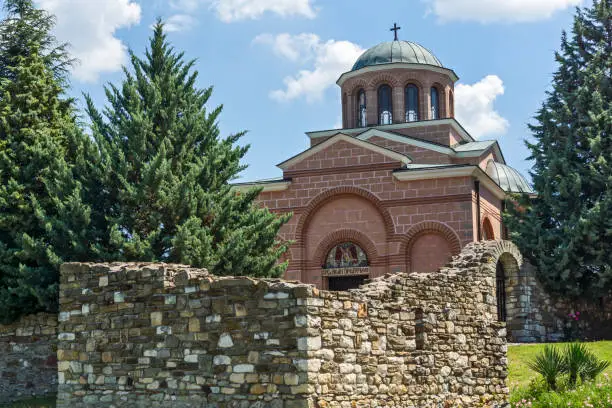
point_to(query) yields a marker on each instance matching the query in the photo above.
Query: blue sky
(274, 63)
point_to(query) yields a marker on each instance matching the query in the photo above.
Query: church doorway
(336, 283)
(346, 267)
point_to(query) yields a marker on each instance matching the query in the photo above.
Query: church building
(401, 187)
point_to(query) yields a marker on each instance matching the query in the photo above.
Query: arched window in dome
(346, 255)
(361, 114)
(385, 105)
(435, 103)
(412, 103)
(451, 104)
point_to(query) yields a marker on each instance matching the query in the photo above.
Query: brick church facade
(401, 187)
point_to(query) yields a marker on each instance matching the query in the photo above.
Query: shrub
(577, 361)
(550, 364)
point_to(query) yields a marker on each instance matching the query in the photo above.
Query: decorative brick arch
(346, 235)
(428, 227)
(384, 78)
(358, 84)
(333, 193)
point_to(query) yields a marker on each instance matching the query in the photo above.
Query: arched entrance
(500, 292)
(346, 266)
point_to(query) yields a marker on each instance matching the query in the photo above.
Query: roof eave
(380, 67)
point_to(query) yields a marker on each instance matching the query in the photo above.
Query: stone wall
(168, 335)
(28, 365)
(420, 340)
(537, 316)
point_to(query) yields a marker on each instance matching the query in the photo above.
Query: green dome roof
(396, 51)
(508, 178)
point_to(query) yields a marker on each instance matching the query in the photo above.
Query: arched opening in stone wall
(508, 294)
(500, 292)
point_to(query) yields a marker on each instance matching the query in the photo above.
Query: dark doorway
(345, 282)
(501, 292)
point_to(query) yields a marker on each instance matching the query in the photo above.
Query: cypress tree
(43, 219)
(23, 26)
(567, 230)
(167, 174)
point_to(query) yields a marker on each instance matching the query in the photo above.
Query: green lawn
(43, 402)
(518, 356)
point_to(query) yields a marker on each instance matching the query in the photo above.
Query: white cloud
(234, 10)
(89, 26)
(329, 59)
(474, 107)
(179, 22)
(292, 47)
(487, 11)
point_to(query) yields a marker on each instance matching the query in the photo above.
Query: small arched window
(362, 120)
(412, 103)
(346, 255)
(451, 104)
(435, 103)
(385, 105)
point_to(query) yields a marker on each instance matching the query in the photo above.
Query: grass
(42, 402)
(519, 375)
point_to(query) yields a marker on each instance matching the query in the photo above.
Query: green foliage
(550, 364)
(576, 361)
(567, 230)
(23, 26)
(582, 363)
(166, 173)
(43, 219)
(594, 394)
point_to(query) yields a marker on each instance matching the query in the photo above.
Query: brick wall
(28, 364)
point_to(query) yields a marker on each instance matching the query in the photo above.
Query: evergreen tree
(567, 230)
(23, 26)
(166, 173)
(43, 220)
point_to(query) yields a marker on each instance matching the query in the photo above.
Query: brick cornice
(451, 198)
(342, 170)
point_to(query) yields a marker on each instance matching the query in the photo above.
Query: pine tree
(23, 26)
(166, 173)
(43, 220)
(567, 230)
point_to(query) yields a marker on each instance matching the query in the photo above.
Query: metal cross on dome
(395, 28)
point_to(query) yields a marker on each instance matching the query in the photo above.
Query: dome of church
(509, 179)
(396, 51)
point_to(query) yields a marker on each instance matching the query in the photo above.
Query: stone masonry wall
(420, 340)
(28, 364)
(168, 335)
(174, 336)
